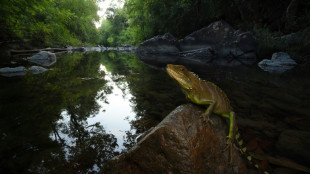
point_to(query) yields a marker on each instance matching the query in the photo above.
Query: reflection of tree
(90, 146)
(30, 110)
(148, 87)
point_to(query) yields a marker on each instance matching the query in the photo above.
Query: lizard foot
(229, 146)
(206, 119)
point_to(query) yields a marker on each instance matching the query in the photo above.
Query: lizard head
(180, 74)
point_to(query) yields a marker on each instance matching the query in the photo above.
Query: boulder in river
(43, 58)
(11, 72)
(279, 63)
(219, 35)
(290, 39)
(216, 44)
(37, 69)
(78, 49)
(126, 48)
(181, 143)
(161, 44)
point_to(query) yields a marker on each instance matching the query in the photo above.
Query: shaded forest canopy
(71, 22)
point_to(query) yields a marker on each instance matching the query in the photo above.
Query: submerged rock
(37, 69)
(181, 143)
(279, 63)
(11, 72)
(43, 58)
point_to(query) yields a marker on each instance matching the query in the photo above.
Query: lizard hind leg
(232, 127)
(231, 134)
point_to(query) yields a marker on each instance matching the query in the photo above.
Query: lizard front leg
(210, 108)
(208, 112)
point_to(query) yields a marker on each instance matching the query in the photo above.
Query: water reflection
(75, 117)
(116, 112)
(52, 122)
(86, 110)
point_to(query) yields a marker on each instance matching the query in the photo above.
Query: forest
(71, 22)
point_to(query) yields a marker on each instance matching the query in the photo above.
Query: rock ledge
(181, 143)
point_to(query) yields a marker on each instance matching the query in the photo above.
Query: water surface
(90, 107)
(80, 113)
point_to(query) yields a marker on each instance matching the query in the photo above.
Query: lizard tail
(244, 151)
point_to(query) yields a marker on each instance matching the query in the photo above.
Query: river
(91, 106)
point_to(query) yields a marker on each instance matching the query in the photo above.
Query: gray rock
(126, 48)
(279, 63)
(37, 69)
(217, 44)
(229, 47)
(78, 49)
(11, 72)
(215, 33)
(158, 60)
(125, 45)
(102, 49)
(201, 56)
(97, 49)
(43, 58)
(181, 143)
(289, 39)
(161, 44)
(111, 49)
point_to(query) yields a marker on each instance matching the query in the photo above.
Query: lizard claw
(229, 146)
(206, 119)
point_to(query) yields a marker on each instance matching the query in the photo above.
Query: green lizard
(207, 93)
(204, 93)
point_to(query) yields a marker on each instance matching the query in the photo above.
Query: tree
(50, 22)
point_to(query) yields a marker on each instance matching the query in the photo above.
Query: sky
(103, 7)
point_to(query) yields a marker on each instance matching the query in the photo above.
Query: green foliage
(50, 22)
(267, 44)
(270, 42)
(140, 19)
(177, 17)
(143, 19)
(113, 29)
